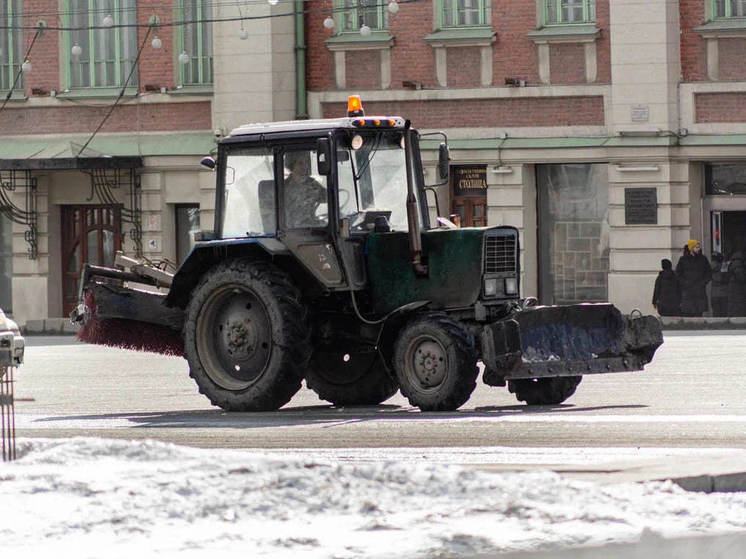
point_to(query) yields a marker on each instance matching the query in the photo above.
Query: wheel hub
(240, 337)
(429, 363)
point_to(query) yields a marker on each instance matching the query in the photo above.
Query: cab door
(304, 212)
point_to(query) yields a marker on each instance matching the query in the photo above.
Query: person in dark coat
(666, 293)
(737, 285)
(694, 273)
(719, 285)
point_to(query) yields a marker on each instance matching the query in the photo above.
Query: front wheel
(544, 391)
(245, 337)
(435, 360)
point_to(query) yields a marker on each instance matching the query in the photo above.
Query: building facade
(107, 108)
(608, 132)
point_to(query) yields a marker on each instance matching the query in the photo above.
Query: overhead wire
(333, 9)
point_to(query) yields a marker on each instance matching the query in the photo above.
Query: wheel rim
(234, 337)
(427, 363)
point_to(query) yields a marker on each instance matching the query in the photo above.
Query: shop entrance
(92, 235)
(728, 231)
(469, 195)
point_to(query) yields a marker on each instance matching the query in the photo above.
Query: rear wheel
(436, 363)
(350, 379)
(246, 338)
(544, 391)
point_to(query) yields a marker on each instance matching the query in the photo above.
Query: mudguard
(567, 340)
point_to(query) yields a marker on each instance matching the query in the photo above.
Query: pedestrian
(694, 273)
(719, 285)
(666, 293)
(736, 284)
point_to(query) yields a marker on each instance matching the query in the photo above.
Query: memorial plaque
(640, 206)
(470, 180)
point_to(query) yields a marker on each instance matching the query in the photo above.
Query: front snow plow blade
(112, 313)
(568, 340)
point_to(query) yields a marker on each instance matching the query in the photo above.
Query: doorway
(728, 231)
(469, 195)
(90, 235)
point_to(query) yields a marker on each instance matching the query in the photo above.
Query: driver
(303, 193)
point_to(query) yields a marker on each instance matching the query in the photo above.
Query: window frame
(118, 60)
(483, 8)
(588, 9)
(11, 59)
(727, 8)
(342, 9)
(205, 61)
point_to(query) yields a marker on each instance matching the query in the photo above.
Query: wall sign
(640, 206)
(469, 180)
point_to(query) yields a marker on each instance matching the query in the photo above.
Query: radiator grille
(500, 255)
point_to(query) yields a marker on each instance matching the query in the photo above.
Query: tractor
(324, 265)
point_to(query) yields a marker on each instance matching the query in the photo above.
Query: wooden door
(472, 212)
(90, 235)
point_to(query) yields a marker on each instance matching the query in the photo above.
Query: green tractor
(324, 266)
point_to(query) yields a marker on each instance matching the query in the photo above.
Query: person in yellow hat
(694, 273)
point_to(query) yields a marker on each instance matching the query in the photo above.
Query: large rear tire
(435, 360)
(350, 378)
(544, 391)
(245, 338)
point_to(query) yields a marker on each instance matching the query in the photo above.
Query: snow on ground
(89, 497)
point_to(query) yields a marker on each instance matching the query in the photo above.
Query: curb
(50, 327)
(703, 322)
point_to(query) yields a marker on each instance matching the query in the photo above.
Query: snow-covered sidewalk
(108, 498)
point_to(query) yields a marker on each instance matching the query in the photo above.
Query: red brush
(128, 334)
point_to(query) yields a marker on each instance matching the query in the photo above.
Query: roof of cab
(306, 125)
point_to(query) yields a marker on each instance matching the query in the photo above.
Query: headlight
(490, 287)
(511, 286)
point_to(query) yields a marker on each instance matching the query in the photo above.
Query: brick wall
(464, 67)
(567, 63)
(412, 59)
(44, 76)
(720, 107)
(74, 119)
(363, 69)
(732, 54)
(693, 48)
(156, 65)
(539, 111)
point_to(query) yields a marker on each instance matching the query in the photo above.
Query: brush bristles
(129, 334)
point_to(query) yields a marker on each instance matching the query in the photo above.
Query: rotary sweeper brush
(323, 266)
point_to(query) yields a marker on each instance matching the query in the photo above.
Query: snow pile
(94, 498)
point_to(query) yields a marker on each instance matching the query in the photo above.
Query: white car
(12, 343)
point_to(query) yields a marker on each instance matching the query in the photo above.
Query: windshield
(373, 181)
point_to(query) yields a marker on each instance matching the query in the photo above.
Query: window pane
(359, 12)
(725, 180)
(570, 11)
(107, 54)
(187, 224)
(249, 198)
(573, 233)
(304, 192)
(6, 264)
(196, 41)
(92, 247)
(11, 44)
(463, 12)
(738, 8)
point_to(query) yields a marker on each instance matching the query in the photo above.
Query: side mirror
(208, 162)
(324, 156)
(444, 158)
